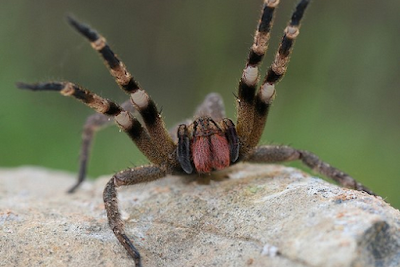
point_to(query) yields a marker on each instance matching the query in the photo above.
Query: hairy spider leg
(269, 154)
(139, 97)
(116, 67)
(93, 123)
(266, 92)
(212, 106)
(124, 178)
(129, 124)
(250, 76)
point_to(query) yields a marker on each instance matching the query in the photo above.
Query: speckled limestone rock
(263, 215)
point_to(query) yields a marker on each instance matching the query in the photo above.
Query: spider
(210, 141)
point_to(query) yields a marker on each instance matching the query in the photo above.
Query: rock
(263, 215)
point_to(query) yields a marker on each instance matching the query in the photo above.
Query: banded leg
(93, 124)
(129, 124)
(140, 99)
(266, 93)
(269, 154)
(127, 177)
(250, 76)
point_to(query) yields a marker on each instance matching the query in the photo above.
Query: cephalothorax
(209, 142)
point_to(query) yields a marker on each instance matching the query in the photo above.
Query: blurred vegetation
(339, 99)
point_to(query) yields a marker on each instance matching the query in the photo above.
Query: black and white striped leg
(97, 103)
(266, 93)
(269, 154)
(129, 124)
(139, 97)
(250, 76)
(124, 178)
(117, 68)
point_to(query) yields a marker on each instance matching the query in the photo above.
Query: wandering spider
(210, 142)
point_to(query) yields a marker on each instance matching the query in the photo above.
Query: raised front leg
(250, 77)
(127, 177)
(252, 107)
(139, 97)
(266, 93)
(270, 154)
(124, 119)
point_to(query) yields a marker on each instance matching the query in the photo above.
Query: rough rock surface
(263, 215)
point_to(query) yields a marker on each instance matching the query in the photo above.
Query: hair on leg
(250, 76)
(139, 97)
(268, 154)
(129, 124)
(93, 124)
(266, 93)
(124, 178)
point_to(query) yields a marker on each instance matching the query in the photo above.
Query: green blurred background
(340, 98)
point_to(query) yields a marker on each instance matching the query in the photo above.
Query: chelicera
(210, 141)
(211, 146)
